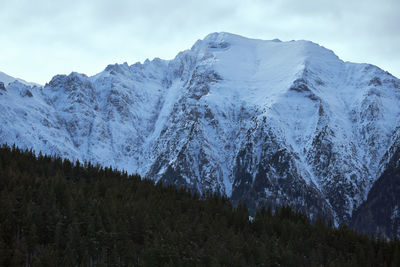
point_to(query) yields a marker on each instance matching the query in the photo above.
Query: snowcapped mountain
(264, 122)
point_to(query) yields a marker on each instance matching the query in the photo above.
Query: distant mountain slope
(6, 79)
(264, 122)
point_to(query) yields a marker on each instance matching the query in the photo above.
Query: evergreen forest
(54, 212)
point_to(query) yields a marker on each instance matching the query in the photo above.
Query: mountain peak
(223, 36)
(230, 38)
(231, 46)
(224, 40)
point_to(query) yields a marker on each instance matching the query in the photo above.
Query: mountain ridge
(264, 122)
(7, 79)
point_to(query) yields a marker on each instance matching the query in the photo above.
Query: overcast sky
(42, 38)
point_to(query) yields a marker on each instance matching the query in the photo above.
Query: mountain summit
(264, 122)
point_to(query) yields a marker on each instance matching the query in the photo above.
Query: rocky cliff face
(380, 214)
(264, 122)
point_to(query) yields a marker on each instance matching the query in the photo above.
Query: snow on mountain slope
(6, 79)
(264, 122)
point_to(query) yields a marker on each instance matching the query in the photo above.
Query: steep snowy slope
(6, 79)
(379, 214)
(264, 122)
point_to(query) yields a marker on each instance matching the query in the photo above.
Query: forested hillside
(57, 213)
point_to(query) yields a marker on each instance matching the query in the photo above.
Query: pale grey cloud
(41, 38)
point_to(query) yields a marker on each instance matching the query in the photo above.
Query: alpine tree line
(54, 212)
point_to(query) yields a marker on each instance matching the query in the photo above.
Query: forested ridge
(54, 212)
